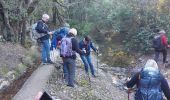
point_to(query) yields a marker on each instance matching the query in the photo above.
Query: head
(73, 31)
(45, 17)
(87, 39)
(161, 32)
(151, 63)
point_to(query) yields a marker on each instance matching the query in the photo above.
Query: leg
(47, 49)
(90, 64)
(65, 69)
(156, 55)
(164, 52)
(71, 71)
(84, 59)
(43, 53)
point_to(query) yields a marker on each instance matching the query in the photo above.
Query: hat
(73, 31)
(151, 63)
(162, 32)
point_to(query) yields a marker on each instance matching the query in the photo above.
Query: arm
(91, 45)
(133, 81)
(165, 88)
(41, 28)
(76, 46)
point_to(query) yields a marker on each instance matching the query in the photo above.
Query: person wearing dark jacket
(69, 60)
(86, 45)
(43, 28)
(150, 83)
(163, 49)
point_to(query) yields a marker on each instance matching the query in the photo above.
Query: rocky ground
(108, 85)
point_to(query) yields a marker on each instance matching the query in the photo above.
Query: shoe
(43, 63)
(70, 85)
(94, 76)
(50, 62)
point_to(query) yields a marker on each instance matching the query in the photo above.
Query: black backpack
(157, 43)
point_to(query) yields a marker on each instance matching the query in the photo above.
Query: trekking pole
(89, 79)
(97, 62)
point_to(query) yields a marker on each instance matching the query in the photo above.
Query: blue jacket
(58, 35)
(42, 28)
(87, 47)
(150, 84)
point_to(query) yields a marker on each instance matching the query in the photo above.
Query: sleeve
(91, 45)
(76, 46)
(165, 88)
(133, 81)
(40, 28)
(164, 40)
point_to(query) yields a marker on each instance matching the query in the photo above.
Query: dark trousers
(70, 66)
(164, 53)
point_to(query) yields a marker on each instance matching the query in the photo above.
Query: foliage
(82, 27)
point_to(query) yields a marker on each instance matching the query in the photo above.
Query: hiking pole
(97, 62)
(89, 79)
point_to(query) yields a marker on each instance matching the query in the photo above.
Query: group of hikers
(149, 81)
(65, 40)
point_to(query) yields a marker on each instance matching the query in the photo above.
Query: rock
(4, 84)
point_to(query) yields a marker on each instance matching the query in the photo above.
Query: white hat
(45, 16)
(73, 31)
(151, 63)
(162, 31)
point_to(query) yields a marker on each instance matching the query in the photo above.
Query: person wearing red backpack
(160, 43)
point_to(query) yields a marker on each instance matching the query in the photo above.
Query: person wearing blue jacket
(59, 34)
(150, 83)
(86, 45)
(43, 28)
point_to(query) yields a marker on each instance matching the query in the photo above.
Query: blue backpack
(157, 43)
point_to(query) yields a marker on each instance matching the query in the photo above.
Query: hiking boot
(50, 62)
(70, 85)
(94, 76)
(43, 63)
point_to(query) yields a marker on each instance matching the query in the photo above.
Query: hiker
(86, 45)
(56, 40)
(150, 83)
(43, 28)
(58, 35)
(69, 47)
(160, 44)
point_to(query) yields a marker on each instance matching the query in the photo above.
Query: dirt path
(35, 83)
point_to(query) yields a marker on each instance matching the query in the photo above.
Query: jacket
(150, 84)
(42, 28)
(87, 47)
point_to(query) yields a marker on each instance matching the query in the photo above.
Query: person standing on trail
(150, 83)
(86, 45)
(160, 44)
(43, 28)
(58, 35)
(56, 40)
(68, 49)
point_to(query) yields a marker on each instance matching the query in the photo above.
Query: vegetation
(133, 21)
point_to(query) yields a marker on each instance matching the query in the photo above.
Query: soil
(14, 87)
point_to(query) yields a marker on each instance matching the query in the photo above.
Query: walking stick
(97, 62)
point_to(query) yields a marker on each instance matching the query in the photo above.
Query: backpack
(157, 43)
(35, 34)
(149, 85)
(66, 47)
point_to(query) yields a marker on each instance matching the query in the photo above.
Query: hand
(50, 33)
(128, 79)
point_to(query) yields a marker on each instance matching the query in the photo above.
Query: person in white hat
(68, 49)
